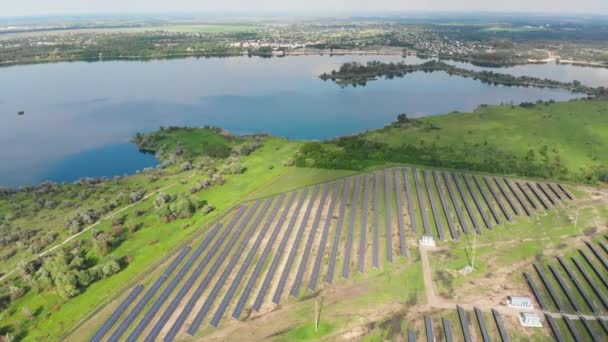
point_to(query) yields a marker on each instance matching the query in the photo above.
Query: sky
(10, 8)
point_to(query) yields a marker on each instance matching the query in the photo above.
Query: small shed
(528, 319)
(520, 302)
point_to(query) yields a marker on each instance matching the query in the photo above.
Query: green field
(551, 140)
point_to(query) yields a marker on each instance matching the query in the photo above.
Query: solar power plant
(538, 196)
(130, 318)
(260, 264)
(482, 325)
(329, 277)
(228, 270)
(277, 258)
(351, 228)
(411, 336)
(388, 220)
(593, 284)
(526, 195)
(445, 206)
(292, 252)
(164, 319)
(465, 200)
(376, 241)
(428, 324)
(554, 328)
(107, 325)
(245, 265)
(136, 333)
(505, 192)
(565, 191)
(579, 286)
(535, 291)
(295, 289)
(477, 202)
(181, 319)
(601, 275)
(487, 200)
(500, 326)
(453, 197)
(464, 324)
(592, 333)
(562, 283)
(422, 204)
(410, 200)
(447, 329)
(552, 294)
(312, 285)
(598, 254)
(497, 198)
(519, 197)
(575, 334)
(364, 214)
(400, 224)
(430, 193)
(546, 193)
(555, 190)
(276, 243)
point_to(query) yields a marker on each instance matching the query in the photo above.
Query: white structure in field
(427, 241)
(519, 302)
(528, 319)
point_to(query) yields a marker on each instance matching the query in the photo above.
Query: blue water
(80, 116)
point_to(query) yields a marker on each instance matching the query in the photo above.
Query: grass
(308, 333)
(575, 130)
(150, 245)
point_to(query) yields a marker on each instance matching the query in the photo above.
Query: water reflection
(72, 108)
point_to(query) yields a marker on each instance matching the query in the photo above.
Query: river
(79, 116)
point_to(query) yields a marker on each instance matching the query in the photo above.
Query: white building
(427, 241)
(528, 319)
(519, 302)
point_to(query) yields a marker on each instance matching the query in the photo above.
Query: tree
(402, 118)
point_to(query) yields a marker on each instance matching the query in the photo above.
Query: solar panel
(329, 277)
(130, 318)
(236, 282)
(437, 218)
(312, 285)
(351, 228)
(398, 188)
(107, 325)
(164, 319)
(236, 313)
(181, 319)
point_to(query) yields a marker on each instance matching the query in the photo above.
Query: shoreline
(388, 51)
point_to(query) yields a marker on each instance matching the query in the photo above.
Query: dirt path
(72, 237)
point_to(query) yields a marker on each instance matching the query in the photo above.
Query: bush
(136, 196)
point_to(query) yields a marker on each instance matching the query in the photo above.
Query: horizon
(413, 14)
(33, 8)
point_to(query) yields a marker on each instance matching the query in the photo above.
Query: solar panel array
(306, 235)
(571, 285)
(471, 326)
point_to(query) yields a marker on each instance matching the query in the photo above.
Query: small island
(356, 74)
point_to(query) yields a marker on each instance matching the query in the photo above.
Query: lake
(79, 116)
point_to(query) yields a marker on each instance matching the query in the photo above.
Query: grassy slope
(151, 244)
(577, 129)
